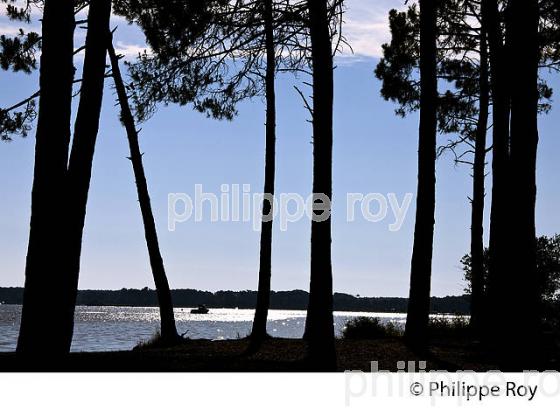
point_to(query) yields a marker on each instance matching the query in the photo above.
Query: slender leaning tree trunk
(83, 146)
(421, 267)
(523, 318)
(319, 329)
(499, 219)
(45, 285)
(477, 216)
(168, 329)
(258, 333)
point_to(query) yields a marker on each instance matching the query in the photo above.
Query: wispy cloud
(366, 29)
(8, 29)
(366, 26)
(129, 51)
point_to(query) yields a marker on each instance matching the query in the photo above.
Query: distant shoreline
(281, 300)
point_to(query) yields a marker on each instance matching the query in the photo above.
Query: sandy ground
(276, 355)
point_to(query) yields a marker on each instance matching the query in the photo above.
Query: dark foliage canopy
(212, 54)
(458, 62)
(548, 267)
(18, 53)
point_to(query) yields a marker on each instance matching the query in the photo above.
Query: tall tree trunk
(258, 333)
(523, 317)
(477, 216)
(83, 147)
(45, 285)
(499, 212)
(168, 329)
(421, 266)
(319, 329)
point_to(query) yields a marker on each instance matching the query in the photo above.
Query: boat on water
(200, 310)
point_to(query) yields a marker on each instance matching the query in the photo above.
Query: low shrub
(456, 326)
(157, 342)
(153, 342)
(369, 328)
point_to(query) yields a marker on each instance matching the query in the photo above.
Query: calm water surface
(121, 328)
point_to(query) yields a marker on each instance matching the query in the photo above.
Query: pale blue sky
(374, 151)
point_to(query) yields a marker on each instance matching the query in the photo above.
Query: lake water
(121, 328)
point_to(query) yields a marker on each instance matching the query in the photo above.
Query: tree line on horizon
(451, 60)
(246, 299)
